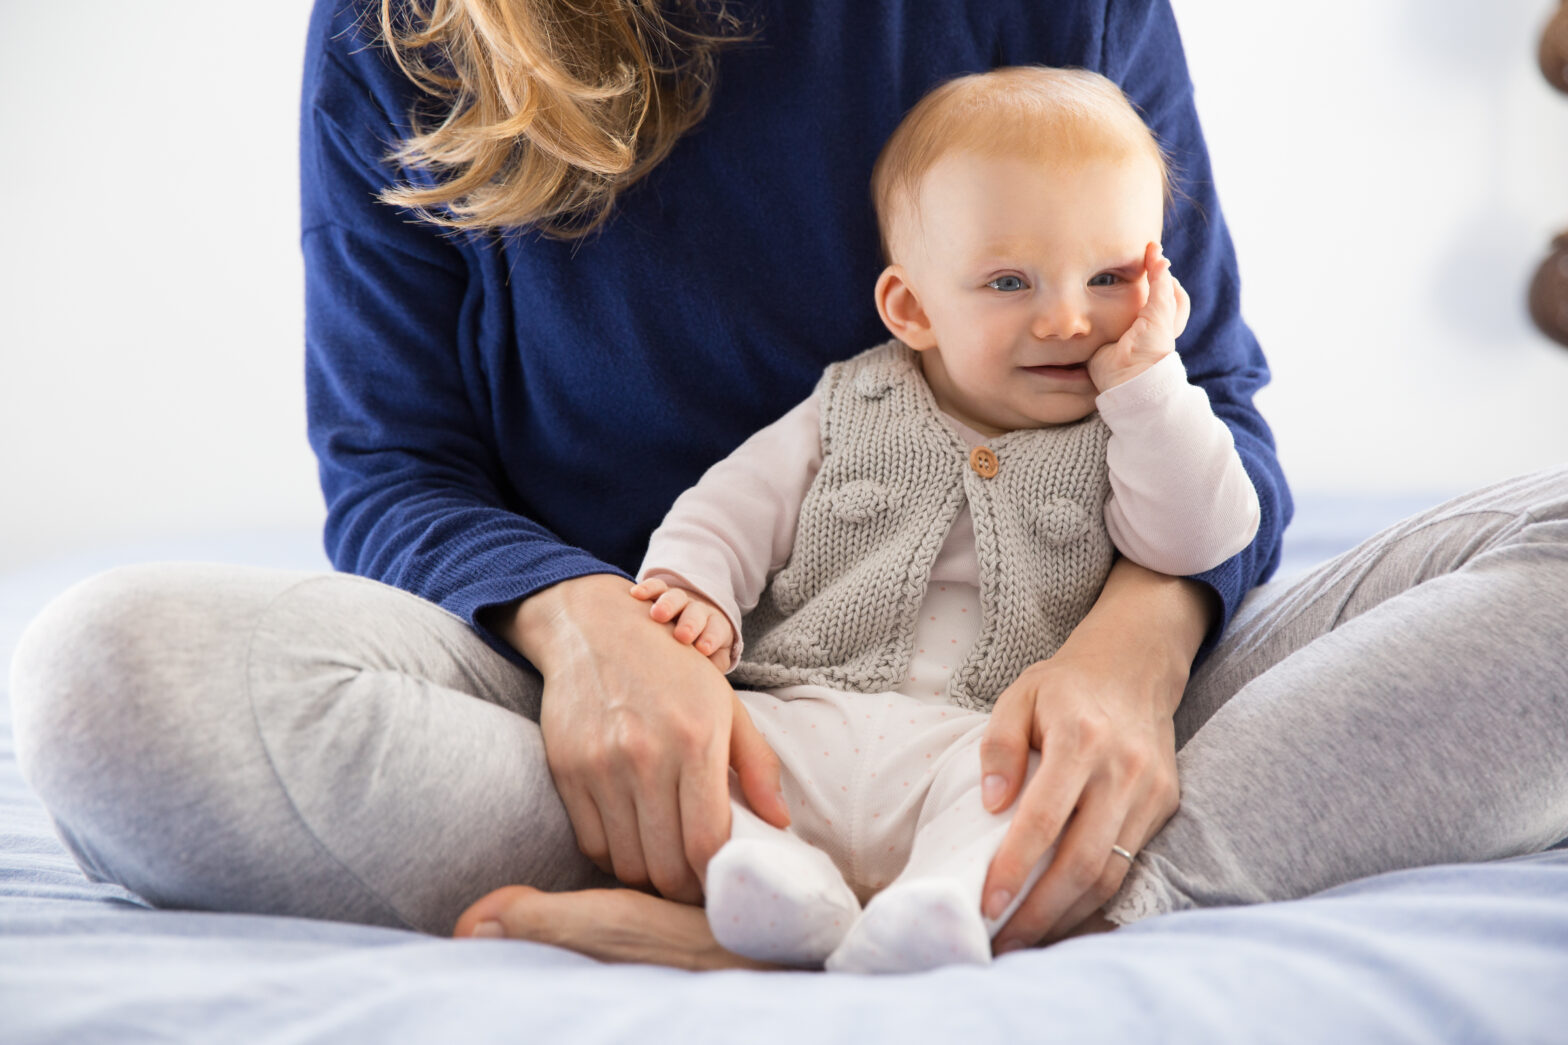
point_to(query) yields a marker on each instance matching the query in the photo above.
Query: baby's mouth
(1062, 370)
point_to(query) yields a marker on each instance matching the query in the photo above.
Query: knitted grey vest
(841, 613)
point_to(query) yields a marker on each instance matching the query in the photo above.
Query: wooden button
(983, 461)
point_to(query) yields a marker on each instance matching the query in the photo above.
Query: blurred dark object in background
(1554, 49)
(1549, 288)
(1549, 292)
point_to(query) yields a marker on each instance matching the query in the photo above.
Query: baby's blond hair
(1032, 112)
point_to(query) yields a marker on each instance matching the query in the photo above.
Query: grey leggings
(322, 745)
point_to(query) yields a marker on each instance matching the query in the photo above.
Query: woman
(504, 408)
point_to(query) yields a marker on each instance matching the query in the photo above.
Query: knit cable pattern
(841, 612)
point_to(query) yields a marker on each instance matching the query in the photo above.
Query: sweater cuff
(1161, 380)
(472, 600)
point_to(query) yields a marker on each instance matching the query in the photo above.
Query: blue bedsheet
(1445, 954)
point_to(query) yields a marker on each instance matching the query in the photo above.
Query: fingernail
(489, 930)
(998, 903)
(1004, 946)
(992, 788)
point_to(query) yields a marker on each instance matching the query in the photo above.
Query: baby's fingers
(1183, 308)
(1161, 307)
(693, 619)
(715, 640)
(669, 605)
(649, 590)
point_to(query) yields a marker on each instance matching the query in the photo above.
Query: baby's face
(1023, 270)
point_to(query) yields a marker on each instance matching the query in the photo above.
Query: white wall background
(151, 310)
(1392, 170)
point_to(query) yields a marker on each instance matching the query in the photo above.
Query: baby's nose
(1062, 316)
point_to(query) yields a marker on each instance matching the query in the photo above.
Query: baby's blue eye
(1008, 283)
(1105, 279)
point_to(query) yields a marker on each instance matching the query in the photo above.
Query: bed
(1473, 953)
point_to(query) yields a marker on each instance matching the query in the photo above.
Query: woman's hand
(1100, 714)
(640, 733)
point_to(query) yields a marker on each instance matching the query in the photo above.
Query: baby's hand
(698, 622)
(1152, 335)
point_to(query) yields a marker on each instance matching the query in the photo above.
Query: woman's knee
(105, 672)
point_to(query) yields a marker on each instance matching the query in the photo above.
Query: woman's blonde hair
(547, 109)
(1039, 113)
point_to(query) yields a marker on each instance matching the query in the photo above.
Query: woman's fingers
(637, 733)
(1043, 809)
(1126, 800)
(1083, 873)
(1142, 823)
(661, 819)
(679, 794)
(1117, 867)
(589, 829)
(757, 767)
(618, 812)
(704, 794)
(1004, 748)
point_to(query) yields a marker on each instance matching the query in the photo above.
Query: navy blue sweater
(496, 414)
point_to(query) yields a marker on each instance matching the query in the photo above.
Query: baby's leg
(771, 895)
(930, 914)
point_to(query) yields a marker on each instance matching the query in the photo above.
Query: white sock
(778, 901)
(916, 924)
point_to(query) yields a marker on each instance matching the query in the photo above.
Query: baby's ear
(901, 310)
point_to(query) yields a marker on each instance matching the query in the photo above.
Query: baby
(942, 511)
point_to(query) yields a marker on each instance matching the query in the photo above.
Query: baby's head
(1015, 207)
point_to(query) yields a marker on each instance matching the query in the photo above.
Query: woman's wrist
(552, 623)
(1151, 623)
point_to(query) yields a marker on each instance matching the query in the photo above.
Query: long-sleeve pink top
(1180, 502)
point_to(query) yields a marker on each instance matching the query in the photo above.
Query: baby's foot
(778, 901)
(916, 925)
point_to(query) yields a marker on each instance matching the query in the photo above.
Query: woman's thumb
(1004, 751)
(758, 768)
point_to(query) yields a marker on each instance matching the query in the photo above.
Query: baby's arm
(725, 536)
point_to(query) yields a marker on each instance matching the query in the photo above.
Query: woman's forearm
(1156, 620)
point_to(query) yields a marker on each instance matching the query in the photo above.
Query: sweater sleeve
(727, 535)
(1142, 51)
(1180, 500)
(415, 495)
